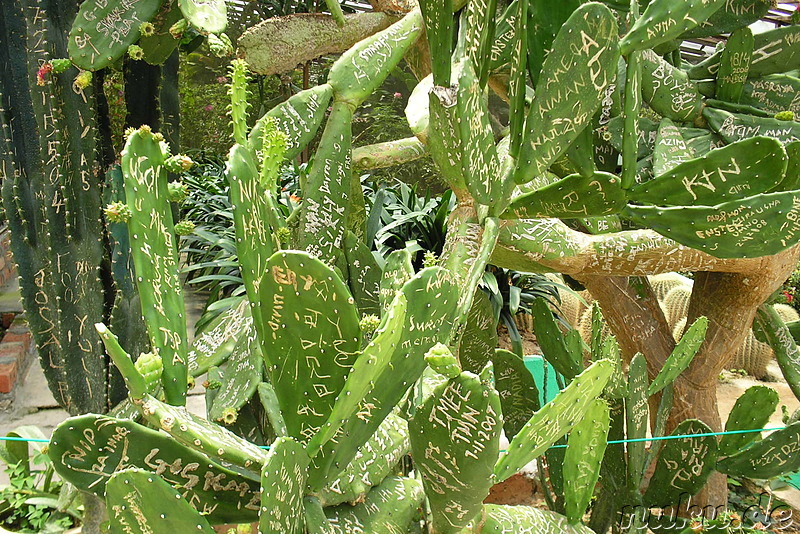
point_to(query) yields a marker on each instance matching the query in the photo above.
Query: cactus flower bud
(41, 74)
(82, 80)
(177, 192)
(136, 52)
(177, 29)
(179, 163)
(147, 29)
(785, 115)
(283, 235)
(184, 227)
(61, 65)
(229, 416)
(369, 324)
(220, 44)
(118, 212)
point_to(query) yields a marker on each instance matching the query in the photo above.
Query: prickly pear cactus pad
(499, 519)
(283, 480)
(208, 16)
(571, 197)
(373, 462)
(155, 255)
(143, 503)
(742, 169)
(734, 127)
(752, 410)
(215, 344)
(670, 149)
(519, 395)
(683, 466)
(243, 373)
(664, 20)
(455, 440)
(389, 508)
(575, 74)
(313, 338)
(103, 30)
(777, 454)
(431, 298)
(555, 419)
(88, 450)
(749, 228)
(681, 356)
(299, 117)
(585, 448)
(361, 70)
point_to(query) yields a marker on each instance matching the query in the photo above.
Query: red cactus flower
(43, 71)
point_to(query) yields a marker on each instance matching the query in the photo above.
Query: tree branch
(549, 245)
(279, 44)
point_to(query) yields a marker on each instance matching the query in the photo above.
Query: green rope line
(612, 442)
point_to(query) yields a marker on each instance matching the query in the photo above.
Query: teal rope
(612, 442)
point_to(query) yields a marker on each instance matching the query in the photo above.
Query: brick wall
(7, 267)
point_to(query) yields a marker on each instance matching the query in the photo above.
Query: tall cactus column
(51, 195)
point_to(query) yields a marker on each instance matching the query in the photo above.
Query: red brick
(15, 350)
(7, 319)
(12, 337)
(8, 376)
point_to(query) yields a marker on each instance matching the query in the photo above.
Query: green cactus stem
(670, 149)
(668, 90)
(388, 154)
(389, 507)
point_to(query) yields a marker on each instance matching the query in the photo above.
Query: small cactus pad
(312, 338)
(782, 342)
(431, 298)
(397, 271)
(373, 361)
(198, 433)
(555, 419)
(242, 375)
(752, 410)
(636, 419)
(554, 344)
(141, 502)
(734, 127)
(299, 117)
(770, 457)
(585, 449)
(519, 396)
(214, 345)
(670, 149)
(735, 65)
(389, 507)
(103, 30)
(749, 228)
(668, 90)
(88, 449)
(742, 169)
(455, 440)
(283, 480)
(681, 356)
(684, 464)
